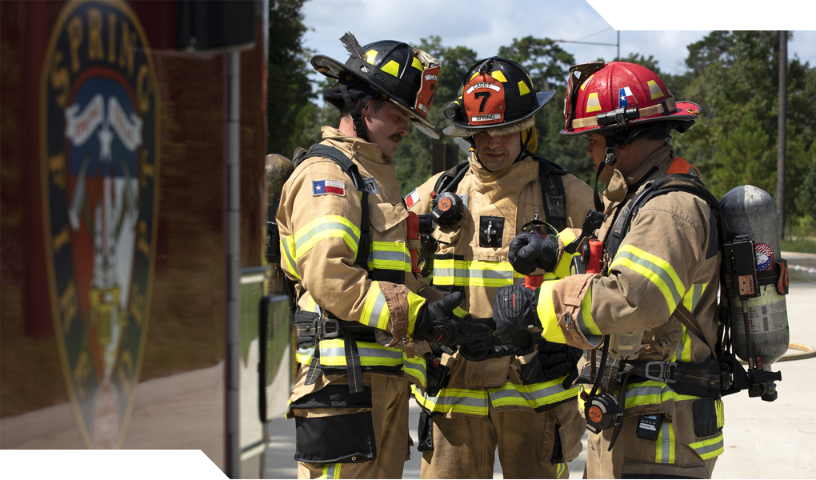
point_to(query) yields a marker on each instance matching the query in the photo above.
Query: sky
(485, 25)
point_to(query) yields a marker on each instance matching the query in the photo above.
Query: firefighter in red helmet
(652, 397)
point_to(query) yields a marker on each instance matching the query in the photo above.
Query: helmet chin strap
(356, 113)
(610, 159)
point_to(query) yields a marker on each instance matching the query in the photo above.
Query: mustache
(397, 137)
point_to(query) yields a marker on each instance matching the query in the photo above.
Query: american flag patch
(325, 187)
(412, 198)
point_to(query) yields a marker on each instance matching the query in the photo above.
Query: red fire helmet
(609, 96)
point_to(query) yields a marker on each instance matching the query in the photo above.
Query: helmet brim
(684, 111)
(331, 68)
(464, 129)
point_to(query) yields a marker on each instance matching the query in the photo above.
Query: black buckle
(325, 331)
(664, 375)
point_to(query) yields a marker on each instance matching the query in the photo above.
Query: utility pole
(781, 143)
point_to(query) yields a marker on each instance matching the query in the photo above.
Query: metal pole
(618, 57)
(232, 235)
(782, 140)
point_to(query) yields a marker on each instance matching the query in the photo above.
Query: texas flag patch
(326, 187)
(625, 98)
(412, 198)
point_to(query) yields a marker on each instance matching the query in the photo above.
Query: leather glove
(490, 347)
(529, 251)
(558, 359)
(514, 308)
(437, 323)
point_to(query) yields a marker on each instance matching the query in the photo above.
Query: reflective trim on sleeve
(415, 368)
(375, 311)
(562, 270)
(330, 226)
(533, 396)
(333, 354)
(585, 321)
(709, 448)
(288, 249)
(389, 256)
(546, 314)
(664, 446)
(652, 392)
(454, 400)
(656, 270)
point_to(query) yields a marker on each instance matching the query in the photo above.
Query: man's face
(499, 152)
(386, 126)
(597, 150)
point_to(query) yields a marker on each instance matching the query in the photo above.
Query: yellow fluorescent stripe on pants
(720, 409)
(664, 447)
(330, 226)
(651, 392)
(331, 470)
(473, 273)
(560, 469)
(546, 314)
(454, 400)
(532, 396)
(304, 355)
(709, 448)
(655, 269)
(389, 256)
(375, 311)
(288, 250)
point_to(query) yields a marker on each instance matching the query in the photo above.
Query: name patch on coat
(370, 184)
(326, 187)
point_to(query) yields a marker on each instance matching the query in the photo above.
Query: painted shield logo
(100, 161)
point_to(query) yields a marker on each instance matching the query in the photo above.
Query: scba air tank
(751, 211)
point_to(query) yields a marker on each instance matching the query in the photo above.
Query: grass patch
(800, 245)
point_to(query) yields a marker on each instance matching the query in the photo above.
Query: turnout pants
(379, 431)
(464, 447)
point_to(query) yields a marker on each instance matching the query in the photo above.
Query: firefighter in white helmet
(653, 403)
(514, 396)
(343, 232)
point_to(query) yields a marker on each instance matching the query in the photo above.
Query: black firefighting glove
(557, 360)
(437, 323)
(529, 251)
(514, 308)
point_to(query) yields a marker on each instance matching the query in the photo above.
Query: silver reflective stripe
(643, 391)
(709, 448)
(529, 397)
(681, 345)
(451, 400)
(388, 255)
(364, 352)
(291, 259)
(492, 274)
(376, 310)
(308, 351)
(665, 444)
(333, 470)
(697, 293)
(322, 227)
(656, 270)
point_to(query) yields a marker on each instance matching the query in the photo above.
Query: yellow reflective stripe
(664, 447)
(330, 226)
(562, 270)
(415, 302)
(532, 396)
(560, 469)
(546, 314)
(331, 470)
(692, 297)
(370, 56)
(304, 355)
(454, 400)
(333, 354)
(416, 368)
(417, 64)
(375, 311)
(460, 313)
(585, 321)
(656, 270)
(523, 88)
(498, 75)
(390, 256)
(652, 392)
(473, 273)
(311, 305)
(683, 349)
(391, 67)
(719, 407)
(288, 249)
(709, 448)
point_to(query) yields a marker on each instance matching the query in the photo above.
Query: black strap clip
(664, 375)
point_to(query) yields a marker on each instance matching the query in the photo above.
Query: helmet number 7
(485, 96)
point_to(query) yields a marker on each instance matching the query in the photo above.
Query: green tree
(289, 89)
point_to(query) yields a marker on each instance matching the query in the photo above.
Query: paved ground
(762, 440)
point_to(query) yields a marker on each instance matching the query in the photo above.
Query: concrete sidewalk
(762, 440)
